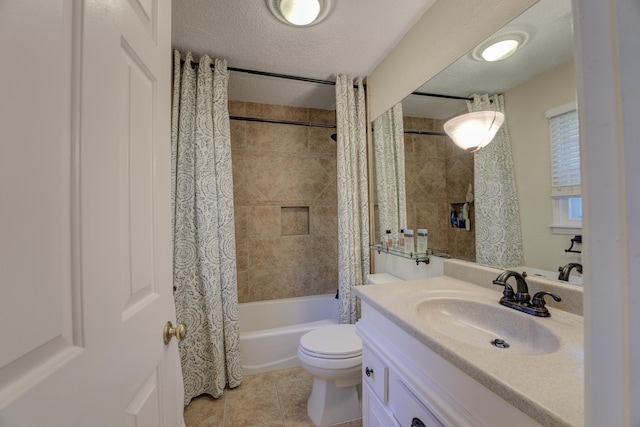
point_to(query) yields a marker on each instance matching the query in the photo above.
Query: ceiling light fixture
(500, 47)
(500, 50)
(300, 13)
(472, 131)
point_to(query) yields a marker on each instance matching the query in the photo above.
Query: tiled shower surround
(285, 202)
(437, 174)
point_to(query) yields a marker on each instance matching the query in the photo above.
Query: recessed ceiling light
(500, 50)
(500, 46)
(300, 13)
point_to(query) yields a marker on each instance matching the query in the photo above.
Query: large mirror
(439, 176)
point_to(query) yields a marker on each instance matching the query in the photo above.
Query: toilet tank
(373, 279)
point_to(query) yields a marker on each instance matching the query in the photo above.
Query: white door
(85, 243)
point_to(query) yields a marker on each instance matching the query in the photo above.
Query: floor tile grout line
(224, 411)
(279, 404)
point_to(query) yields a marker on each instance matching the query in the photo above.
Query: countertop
(547, 387)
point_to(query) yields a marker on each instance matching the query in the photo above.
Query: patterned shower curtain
(205, 277)
(388, 149)
(353, 200)
(498, 235)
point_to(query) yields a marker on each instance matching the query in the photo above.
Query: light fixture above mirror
(472, 131)
(300, 13)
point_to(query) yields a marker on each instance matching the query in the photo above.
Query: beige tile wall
(437, 174)
(285, 202)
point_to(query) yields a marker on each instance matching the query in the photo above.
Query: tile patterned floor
(272, 399)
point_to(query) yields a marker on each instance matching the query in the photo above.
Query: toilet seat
(332, 342)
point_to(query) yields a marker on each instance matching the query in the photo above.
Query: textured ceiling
(352, 40)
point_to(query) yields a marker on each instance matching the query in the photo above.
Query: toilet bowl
(333, 355)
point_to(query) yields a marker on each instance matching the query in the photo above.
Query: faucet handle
(508, 294)
(538, 301)
(538, 304)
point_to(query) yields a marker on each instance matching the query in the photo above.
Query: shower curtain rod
(283, 122)
(435, 95)
(425, 132)
(322, 125)
(278, 75)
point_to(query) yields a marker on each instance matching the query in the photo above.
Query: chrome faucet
(566, 270)
(521, 300)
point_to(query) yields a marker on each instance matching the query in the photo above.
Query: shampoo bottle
(422, 240)
(408, 241)
(388, 241)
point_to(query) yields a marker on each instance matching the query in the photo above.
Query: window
(565, 169)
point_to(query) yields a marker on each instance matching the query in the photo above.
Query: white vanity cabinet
(403, 381)
(374, 412)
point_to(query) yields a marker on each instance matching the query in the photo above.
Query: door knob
(169, 332)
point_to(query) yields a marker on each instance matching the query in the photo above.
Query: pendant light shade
(473, 131)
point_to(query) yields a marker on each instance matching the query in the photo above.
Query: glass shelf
(415, 256)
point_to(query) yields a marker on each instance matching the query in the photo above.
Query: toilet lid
(332, 341)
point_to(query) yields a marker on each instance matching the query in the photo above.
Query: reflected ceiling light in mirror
(472, 131)
(500, 50)
(500, 47)
(300, 13)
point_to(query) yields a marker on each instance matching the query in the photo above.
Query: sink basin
(479, 323)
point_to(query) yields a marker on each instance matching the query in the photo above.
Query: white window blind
(565, 152)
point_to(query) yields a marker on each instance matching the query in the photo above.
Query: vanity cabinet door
(374, 413)
(408, 409)
(375, 373)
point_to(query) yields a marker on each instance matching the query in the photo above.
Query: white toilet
(333, 355)
(376, 278)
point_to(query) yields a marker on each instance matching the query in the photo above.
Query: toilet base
(330, 404)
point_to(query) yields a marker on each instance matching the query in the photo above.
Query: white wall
(525, 108)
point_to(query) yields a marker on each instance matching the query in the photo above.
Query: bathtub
(270, 330)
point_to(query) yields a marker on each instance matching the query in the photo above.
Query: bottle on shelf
(408, 241)
(422, 240)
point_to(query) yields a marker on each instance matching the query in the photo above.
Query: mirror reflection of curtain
(498, 234)
(204, 276)
(388, 147)
(353, 195)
